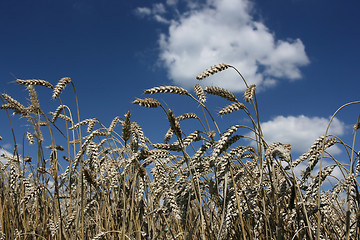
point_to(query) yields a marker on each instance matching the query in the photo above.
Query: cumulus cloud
(300, 131)
(219, 31)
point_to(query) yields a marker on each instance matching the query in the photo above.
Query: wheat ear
(249, 93)
(60, 86)
(147, 102)
(214, 69)
(221, 92)
(35, 82)
(232, 107)
(167, 89)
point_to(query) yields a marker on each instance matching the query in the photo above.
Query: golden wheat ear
(231, 108)
(221, 92)
(60, 86)
(35, 82)
(249, 93)
(199, 91)
(167, 89)
(147, 102)
(214, 69)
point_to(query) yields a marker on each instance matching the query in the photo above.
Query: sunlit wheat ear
(343, 186)
(314, 158)
(280, 150)
(231, 108)
(30, 138)
(316, 145)
(168, 135)
(195, 136)
(126, 131)
(57, 112)
(35, 82)
(212, 70)
(249, 93)
(138, 133)
(113, 124)
(317, 181)
(13, 104)
(199, 91)
(60, 86)
(35, 105)
(221, 92)
(167, 89)
(174, 124)
(91, 125)
(187, 116)
(222, 142)
(147, 102)
(166, 146)
(84, 122)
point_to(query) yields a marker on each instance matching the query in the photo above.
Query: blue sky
(303, 56)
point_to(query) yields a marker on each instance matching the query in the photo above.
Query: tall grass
(90, 181)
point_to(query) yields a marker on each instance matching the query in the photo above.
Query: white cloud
(224, 31)
(143, 11)
(300, 131)
(156, 12)
(171, 2)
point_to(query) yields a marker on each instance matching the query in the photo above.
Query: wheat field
(112, 182)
